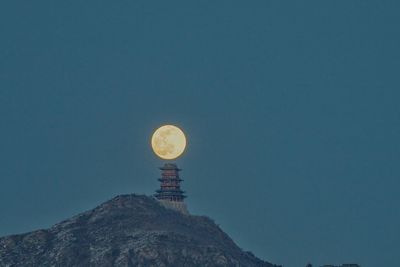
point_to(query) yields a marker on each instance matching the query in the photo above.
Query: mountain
(128, 230)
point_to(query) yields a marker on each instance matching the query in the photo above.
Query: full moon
(168, 142)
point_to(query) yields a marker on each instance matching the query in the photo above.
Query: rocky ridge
(129, 230)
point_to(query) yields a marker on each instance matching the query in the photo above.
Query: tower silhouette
(170, 193)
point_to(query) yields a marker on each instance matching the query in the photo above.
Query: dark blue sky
(291, 111)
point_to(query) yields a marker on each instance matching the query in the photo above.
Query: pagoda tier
(170, 188)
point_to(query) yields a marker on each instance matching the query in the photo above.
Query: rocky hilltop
(129, 230)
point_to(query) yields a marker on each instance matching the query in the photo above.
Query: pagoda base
(175, 205)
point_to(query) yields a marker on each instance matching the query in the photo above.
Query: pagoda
(170, 194)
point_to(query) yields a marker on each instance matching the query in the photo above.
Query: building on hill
(170, 194)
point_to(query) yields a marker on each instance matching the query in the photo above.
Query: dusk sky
(291, 111)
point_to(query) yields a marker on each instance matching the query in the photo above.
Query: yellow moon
(168, 142)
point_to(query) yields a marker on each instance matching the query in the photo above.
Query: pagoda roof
(170, 178)
(172, 191)
(170, 166)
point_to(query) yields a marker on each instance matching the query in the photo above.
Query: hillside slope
(129, 230)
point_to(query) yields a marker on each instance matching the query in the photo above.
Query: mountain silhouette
(128, 230)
